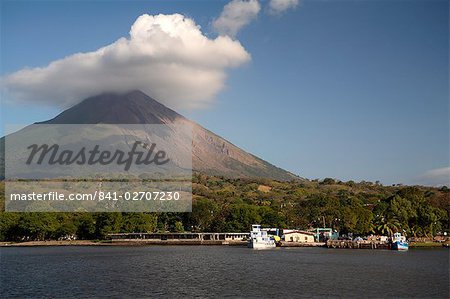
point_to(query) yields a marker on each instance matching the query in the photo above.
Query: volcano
(211, 154)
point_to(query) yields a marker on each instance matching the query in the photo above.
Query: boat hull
(259, 239)
(400, 246)
(261, 245)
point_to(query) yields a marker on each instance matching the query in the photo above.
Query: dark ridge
(134, 107)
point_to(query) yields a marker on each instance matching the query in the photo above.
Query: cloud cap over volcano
(166, 56)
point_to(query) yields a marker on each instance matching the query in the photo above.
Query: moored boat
(259, 239)
(399, 242)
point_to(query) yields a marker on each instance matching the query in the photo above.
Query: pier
(302, 244)
(187, 238)
(349, 244)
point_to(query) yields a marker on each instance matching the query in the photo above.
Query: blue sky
(356, 90)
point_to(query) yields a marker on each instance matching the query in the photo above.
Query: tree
(36, 226)
(138, 222)
(107, 223)
(204, 212)
(86, 226)
(328, 181)
(179, 228)
(8, 226)
(387, 225)
(241, 216)
(402, 210)
(270, 217)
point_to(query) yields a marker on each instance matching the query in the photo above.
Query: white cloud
(236, 15)
(165, 56)
(279, 6)
(436, 177)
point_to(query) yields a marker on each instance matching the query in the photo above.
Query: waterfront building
(322, 234)
(298, 236)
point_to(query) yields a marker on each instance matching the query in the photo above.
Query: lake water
(220, 271)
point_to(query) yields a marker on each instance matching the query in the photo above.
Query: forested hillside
(232, 205)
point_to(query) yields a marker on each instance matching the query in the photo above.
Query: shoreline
(56, 243)
(119, 243)
(146, 243)
(176, 243)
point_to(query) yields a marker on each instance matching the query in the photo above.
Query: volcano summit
(211, 154)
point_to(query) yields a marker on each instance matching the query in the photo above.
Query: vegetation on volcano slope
(232, 205)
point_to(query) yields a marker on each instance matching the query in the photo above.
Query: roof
(299, 232)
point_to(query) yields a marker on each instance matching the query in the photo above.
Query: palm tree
(387, 224)
(416, 230)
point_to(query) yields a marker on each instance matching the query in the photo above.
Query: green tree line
(232, 205)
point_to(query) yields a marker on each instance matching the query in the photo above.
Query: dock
(302, 244)
(186, 238)
(349, 244)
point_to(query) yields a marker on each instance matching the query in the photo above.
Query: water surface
(207, 271)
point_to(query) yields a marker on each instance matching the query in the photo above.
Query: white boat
(399, 242)
(259, 239)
